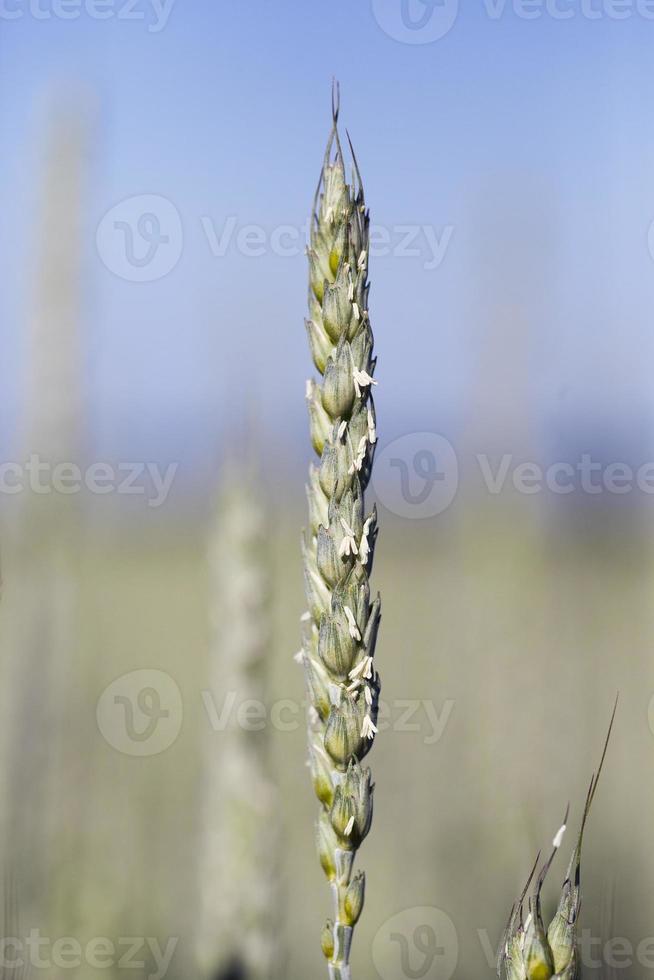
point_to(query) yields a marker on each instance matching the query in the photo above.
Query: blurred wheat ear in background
(42, 799)
(340, 627)
(12, 928)
(238, 934)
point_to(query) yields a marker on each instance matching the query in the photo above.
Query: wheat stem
(340, 627)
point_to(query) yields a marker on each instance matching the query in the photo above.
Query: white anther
(361, 380)
(369, 728)
(348, 545)
(372, 431)
(352, 623)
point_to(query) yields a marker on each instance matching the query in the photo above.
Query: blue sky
(525, 147)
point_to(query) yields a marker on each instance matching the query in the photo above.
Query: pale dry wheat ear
(12, 931)
(238, 930)
(529, 951)
(340, 627)
(44, 803)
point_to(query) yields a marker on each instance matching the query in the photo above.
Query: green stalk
(340, 626)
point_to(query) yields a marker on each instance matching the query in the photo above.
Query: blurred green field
(517, 636)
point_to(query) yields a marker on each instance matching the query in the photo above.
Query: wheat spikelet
(237, 922)
(529, 951)
(340, 627)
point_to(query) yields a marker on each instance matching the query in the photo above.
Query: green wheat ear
(340, 627)
(528, 950)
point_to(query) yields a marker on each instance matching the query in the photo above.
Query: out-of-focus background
(158, 166)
